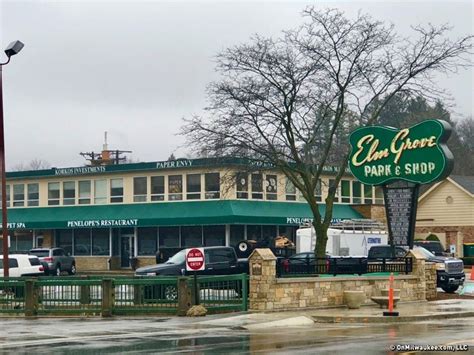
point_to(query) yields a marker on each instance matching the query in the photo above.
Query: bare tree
(287, 100)
(35, 164)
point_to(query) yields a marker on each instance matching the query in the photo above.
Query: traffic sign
(195, 259)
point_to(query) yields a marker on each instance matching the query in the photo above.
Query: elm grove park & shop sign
(400, 161)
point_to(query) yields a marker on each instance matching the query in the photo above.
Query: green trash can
(468, 249)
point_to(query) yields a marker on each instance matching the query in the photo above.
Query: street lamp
(12, 49)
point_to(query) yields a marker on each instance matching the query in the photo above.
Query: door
(127, 250)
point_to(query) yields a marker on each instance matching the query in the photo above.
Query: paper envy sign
(418, 154)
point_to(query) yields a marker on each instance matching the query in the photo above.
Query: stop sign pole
(195, 261)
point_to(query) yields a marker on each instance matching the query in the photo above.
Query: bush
(432, 237)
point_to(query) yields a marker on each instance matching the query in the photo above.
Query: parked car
(432, 245)
(22, 265)
(56, 259)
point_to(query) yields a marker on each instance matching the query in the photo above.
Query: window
(332, 182)
(237, 234)
(53, 193)
(271, 187)
(212, 183)
(157, 188)
(18, 195)
(69, 193)
(378, 195)
(100, 241)
(139, 189)
(269, 232)
(368, 194)
(257, 186)
(214, 236)
(12, 263)
(169, 237)
(100, 192)
(191, 236)
(219, 255)
(242, 185)
(254, 232)
(84, 192)
(356, 192)
(175, 187)
(290, 190)
(193, 186)
(318, 194)
(8, 195)
(147, 238)
(116, 190)
(345, 191)
(82, 242)
(33, 194)
(64, 239)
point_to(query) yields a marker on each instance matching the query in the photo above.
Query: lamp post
(12, 49)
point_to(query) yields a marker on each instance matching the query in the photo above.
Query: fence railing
(342, 265)
(106, 296)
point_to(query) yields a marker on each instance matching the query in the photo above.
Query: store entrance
(127, 249)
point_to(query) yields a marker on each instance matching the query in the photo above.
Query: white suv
(22, 265)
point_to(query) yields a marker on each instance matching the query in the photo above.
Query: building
(105, 215)
(447, 210)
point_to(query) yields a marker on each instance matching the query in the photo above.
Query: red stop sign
(195, 259)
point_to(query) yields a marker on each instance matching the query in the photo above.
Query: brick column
(262, 266)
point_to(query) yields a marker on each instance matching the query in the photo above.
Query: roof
(169, 214)
(466, 182)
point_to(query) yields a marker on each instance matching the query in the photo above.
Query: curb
(382, 319)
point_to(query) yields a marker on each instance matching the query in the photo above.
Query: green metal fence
(121, 295)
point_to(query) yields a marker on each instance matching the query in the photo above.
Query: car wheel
(57, 271)
(171, 293)
(450, 289)
(73, 270)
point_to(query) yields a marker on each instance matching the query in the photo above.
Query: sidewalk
(408, 312)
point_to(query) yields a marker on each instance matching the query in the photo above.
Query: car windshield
(433, 247)
(424, 252)
(40, 253)
(177, 258)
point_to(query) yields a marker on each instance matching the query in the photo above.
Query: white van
(22, 265)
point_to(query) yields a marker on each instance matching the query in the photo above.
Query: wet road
(171, 335)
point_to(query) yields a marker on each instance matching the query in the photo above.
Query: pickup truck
(449, 271)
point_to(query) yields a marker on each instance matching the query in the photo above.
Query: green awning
(169, 214)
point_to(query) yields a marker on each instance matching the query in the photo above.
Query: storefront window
(193, 186)
(100, 192)
(212, 184)
(191, 236)
(175, 187)
(271, 188)
(53, 193)
(82, 242)
(147, 238)
(169, 237)
(345, 191)
(18, 195)
(287, 231)
(116, 190)
(21, 241)
(237, 234)
(356, 192)
(33, 194)
(290, 190)
(64, 239)
(69, 193)
(254, 232)
(269, 232)
(368, 193)
(157, 188)
(100, 241)
(214, 236)
(139, 189)
(242, 185)
(84, 192)
(257, 186)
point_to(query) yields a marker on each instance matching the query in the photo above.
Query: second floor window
(242, 185)
(100, 192)
(318, 194)
(257, 186)
(116, 190)
(139, 189)
(53, 193)
(33, 194)
(356, 192)
(18, 195)
(84, 192)
(69, 193)
(345, 191)
(271, 187)
(175, 187)
(157, 188)
(193, 186)
(290, 190)
(212, 185)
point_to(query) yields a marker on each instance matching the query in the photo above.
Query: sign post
(195, 261)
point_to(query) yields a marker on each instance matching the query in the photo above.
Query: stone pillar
(430, 279)
(262, 267)
(108, 297)
(419, 270)
(31, 298)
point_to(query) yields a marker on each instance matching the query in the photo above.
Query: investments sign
(419, 154)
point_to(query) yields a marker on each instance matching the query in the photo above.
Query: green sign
(418, 154)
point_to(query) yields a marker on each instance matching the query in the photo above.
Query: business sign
(418, 154)
(195, 260)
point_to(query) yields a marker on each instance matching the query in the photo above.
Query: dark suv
(56, 260)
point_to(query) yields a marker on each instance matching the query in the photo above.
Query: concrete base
(353, 299)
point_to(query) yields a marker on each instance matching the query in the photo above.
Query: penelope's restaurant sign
(418, 154)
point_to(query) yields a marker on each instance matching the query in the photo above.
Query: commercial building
(104, 215)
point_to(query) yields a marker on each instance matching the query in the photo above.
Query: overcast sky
(134, 69)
